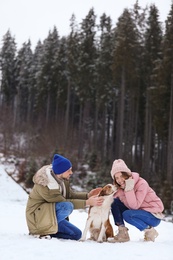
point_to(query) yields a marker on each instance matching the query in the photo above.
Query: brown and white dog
(98, 223)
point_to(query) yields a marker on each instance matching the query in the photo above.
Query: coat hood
(45, 178)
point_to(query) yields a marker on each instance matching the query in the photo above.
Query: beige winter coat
(40, 209)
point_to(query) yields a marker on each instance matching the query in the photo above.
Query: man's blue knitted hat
(60, 164)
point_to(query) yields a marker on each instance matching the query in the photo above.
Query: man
(52, 200)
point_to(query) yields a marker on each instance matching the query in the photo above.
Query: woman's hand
(129, 184)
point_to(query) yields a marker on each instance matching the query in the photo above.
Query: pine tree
(167, 98)
(73, 77)
(125, 77)
(138, 15)
(153, 40)
(86, 87)
(23, 74)
(47, 79)
(7, 67)
(8, 90)
(105, 90)
(34, 91)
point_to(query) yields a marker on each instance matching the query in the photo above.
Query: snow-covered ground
(16, 244)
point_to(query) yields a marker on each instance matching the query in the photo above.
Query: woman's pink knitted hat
(119, 166)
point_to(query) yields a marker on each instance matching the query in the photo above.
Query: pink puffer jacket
(141, 197)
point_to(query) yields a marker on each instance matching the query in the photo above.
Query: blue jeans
(139, 218)
(66, 230)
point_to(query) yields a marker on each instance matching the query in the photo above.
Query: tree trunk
(120, 121)
(147, 139)
(67, 113)
(170, 139)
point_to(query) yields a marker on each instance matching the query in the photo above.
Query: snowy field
(16, 244)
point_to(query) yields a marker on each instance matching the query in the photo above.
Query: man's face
(66, 175)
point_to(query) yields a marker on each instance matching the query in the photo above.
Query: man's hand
(94, 201)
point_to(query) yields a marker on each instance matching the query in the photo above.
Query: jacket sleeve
(135, 197)
(78, 195)
(78, 199)
(71, 194)
(144, 197)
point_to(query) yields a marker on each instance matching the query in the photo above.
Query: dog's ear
(102, 193)
(94, 192)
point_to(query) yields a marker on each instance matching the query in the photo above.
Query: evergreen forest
(101, 93)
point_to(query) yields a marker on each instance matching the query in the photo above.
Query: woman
(52, 200)
(135, 202)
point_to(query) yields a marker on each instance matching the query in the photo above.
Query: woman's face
(120, 179)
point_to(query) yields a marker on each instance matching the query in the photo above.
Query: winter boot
(41, 236)
(122, 235)
(150, 234)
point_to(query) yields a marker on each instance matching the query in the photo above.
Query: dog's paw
(81, 240)
(100, 241)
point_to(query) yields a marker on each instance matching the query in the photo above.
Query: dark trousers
(66, 230)
(139, 218)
